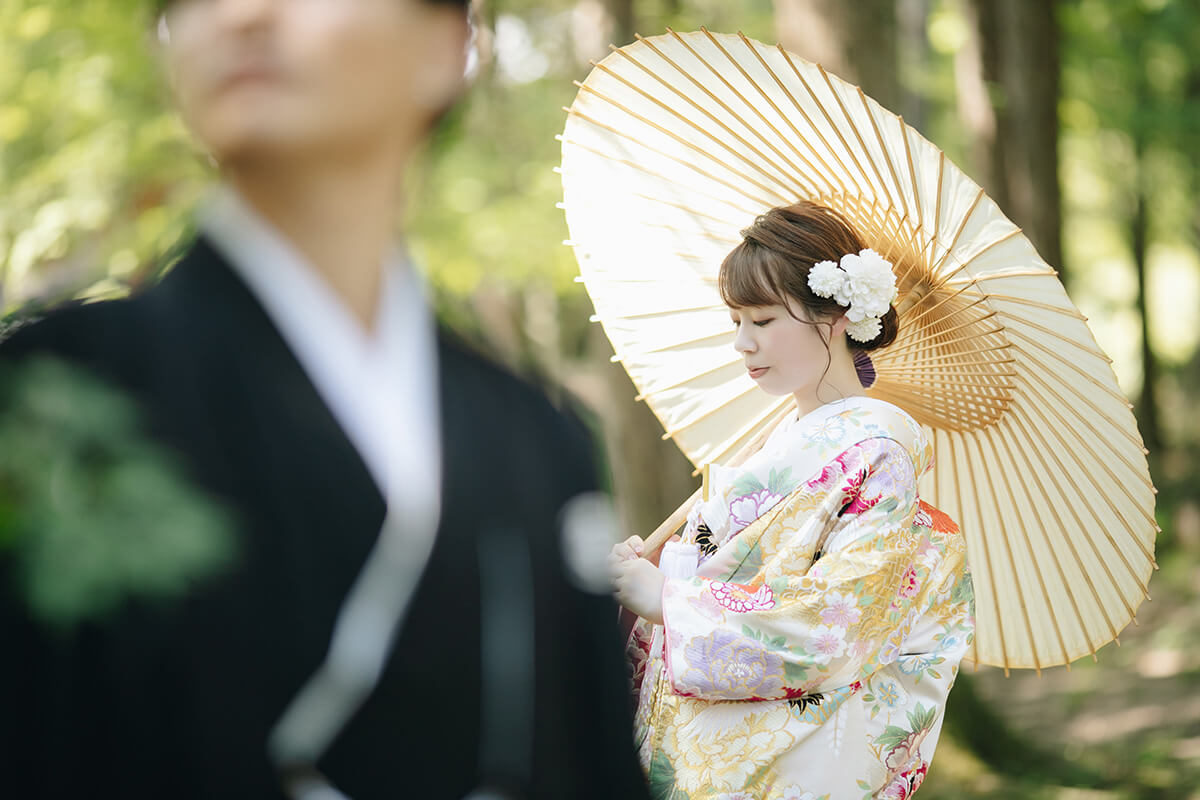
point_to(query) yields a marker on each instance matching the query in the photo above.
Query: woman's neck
(341, 216)
(840, 381)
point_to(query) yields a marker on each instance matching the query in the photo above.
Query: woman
(809, 652)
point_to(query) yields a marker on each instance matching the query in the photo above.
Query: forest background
(1080, 117)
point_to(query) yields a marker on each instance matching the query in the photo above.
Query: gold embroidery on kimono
(811, 654)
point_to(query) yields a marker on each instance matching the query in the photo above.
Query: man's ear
(447, 79)
(158, 42)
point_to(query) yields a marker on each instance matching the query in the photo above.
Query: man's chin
(245, 147)
(242, 131)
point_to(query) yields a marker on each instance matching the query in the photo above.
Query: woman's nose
(743, 342)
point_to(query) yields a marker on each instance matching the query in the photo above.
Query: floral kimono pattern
(811, 655)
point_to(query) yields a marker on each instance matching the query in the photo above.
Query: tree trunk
(975, 74)
(855, 40)
(1010, 106)
(1139, 242)
(912, 52)
(650, 476)
(624, 21)
(1147, 405)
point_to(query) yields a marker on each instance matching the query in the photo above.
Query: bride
(821, 609)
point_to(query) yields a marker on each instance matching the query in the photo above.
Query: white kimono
(811, 655)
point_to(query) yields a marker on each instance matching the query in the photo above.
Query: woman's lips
(757, 372)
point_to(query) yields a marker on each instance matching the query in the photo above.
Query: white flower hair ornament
(863, 283)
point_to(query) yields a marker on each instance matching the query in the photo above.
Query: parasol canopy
(677, 142)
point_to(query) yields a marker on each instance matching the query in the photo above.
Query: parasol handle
(671, 524)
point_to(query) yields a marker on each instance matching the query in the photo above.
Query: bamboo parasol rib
(675, 143)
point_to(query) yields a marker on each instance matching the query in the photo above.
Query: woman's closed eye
(758, 323)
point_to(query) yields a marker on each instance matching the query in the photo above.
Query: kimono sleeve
(814, 629)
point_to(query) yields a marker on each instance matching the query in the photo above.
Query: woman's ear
(839, 326)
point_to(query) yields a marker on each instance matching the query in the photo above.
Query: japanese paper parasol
(676, 143)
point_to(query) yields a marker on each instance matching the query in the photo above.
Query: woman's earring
(865, 369)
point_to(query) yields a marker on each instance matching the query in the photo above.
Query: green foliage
(919, 719)
(91, 512)
(794, 674)
(776, 644)
(749, 560)
(892, 736)
(780, 483)
(95, 169)
(97, 177)
(662, 779)
(1130, 117)
(486, 219)
(922, 718)
(487, 210)
(964, 589)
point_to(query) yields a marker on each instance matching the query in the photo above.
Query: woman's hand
(637, 583)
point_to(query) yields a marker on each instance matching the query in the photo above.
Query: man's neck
(340, 217)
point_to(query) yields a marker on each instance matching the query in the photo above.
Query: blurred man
(398, 622)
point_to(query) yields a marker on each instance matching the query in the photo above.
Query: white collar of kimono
(381, 387)
(382, 390)
(796, 451)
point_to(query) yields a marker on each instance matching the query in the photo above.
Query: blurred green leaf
(91, 511)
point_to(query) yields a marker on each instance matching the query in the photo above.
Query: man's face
(257, 78)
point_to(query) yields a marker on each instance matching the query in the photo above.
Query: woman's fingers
(620, 553)
(621, 570)
(623, 551)
(623, 581)
(637, 585)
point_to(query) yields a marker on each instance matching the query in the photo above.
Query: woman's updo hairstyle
(772, 261)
